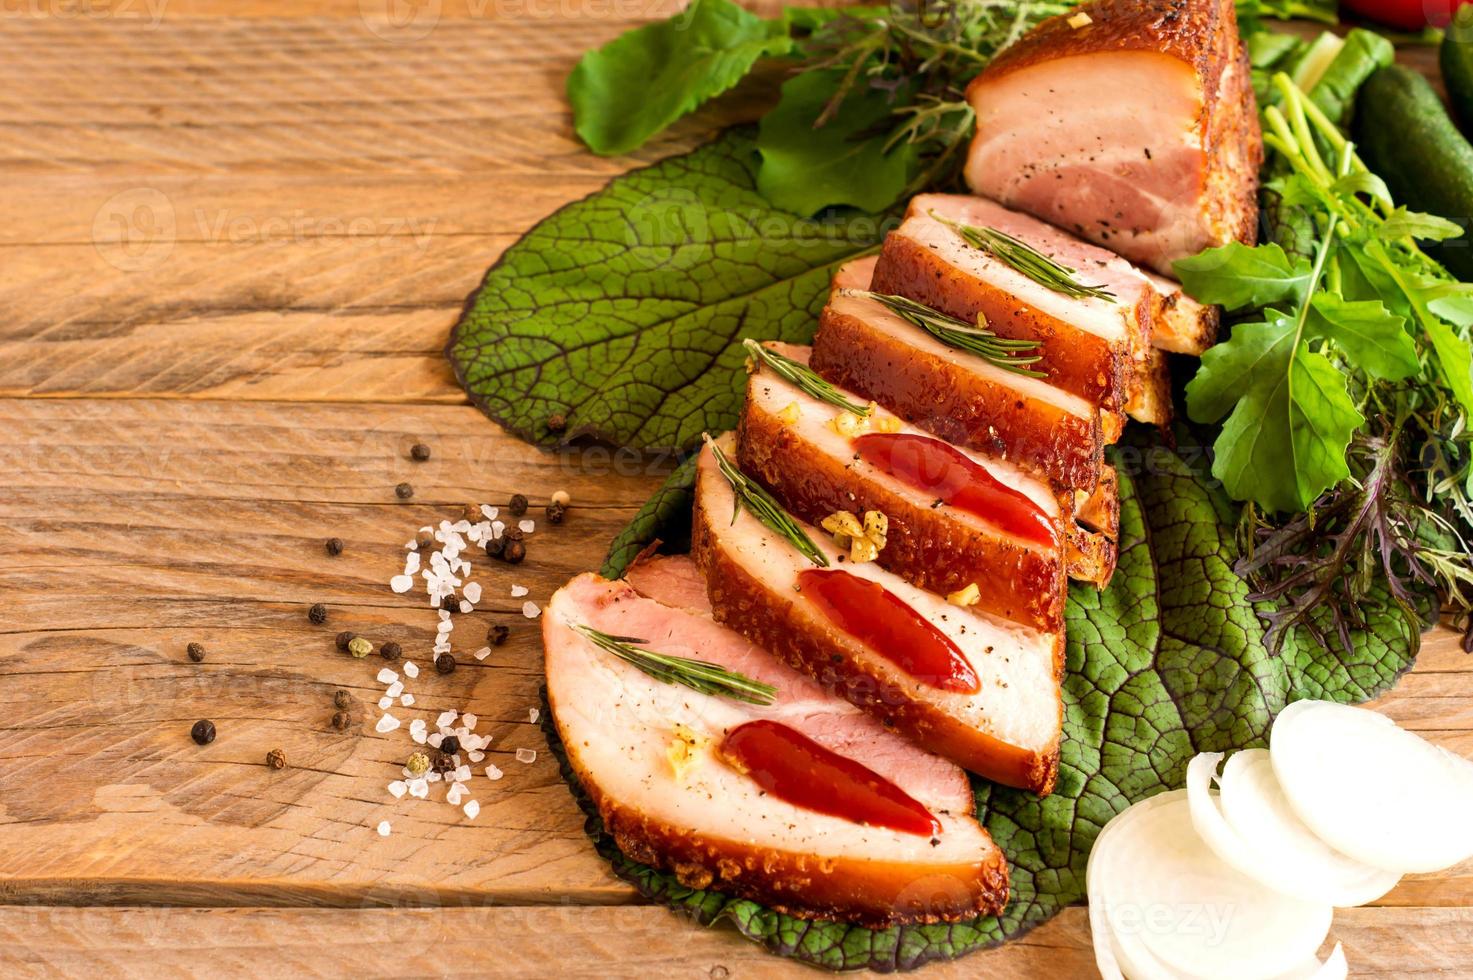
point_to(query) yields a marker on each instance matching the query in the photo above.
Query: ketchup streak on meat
(936, 468)
(870, 613)
(796, 769)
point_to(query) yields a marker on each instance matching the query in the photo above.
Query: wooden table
(235, 236)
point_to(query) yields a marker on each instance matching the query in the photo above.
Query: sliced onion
(1161, 887)
(1117, 960)
(1299, 863)
(1371, 790)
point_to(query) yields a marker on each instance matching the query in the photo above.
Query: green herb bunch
(1345, 387)
(872, 109)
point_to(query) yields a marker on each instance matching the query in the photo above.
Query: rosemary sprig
(1025, 259)
(759, 503)
(698, 675)
(804, 378)
(1011, 355)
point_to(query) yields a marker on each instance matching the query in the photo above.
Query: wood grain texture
(237, 232)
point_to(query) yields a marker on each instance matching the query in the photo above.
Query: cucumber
(1455, 56)
(1405, 135)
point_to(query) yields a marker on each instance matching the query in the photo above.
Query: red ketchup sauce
(951, 476)
(797, 770)
(870, 613)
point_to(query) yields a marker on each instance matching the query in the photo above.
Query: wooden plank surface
(236, 234)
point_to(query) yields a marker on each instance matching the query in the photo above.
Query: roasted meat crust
(771, 620)
(1074, 360)
(926, 545)
(956, 404)
(1185, 29)
(1236, 153)
(869, 893)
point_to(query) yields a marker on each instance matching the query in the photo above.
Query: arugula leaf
(642, 81)
(624, 312)
(1371, 337)
(1291, 414)
(1402, 223)
(806, 167)
(1167, 662)
(1237, 276)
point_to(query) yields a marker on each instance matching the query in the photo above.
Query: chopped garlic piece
(847, 425)
(843, 522)
(965, 597)
(791, 414)
(1079, 20)
(683, 750)
(876, 526)
(862, 550)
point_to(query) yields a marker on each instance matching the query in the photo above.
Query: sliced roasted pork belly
(1133, 126)
(1087, 343)
(956, 518)
(974, 688)
(957, 395)
(1180, 324)
(654, 759)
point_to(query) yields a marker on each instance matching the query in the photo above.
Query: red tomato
(1407, 15)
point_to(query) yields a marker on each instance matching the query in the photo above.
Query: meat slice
(818, 459)
(1129, 122)
(1004, 725)
(646, 752)
(957, 395)
(1087, 344)
(1180, 324)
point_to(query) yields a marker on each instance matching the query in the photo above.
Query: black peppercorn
(334, 546)
(276, 759)
(443, 763)
(513, 534)
(340, 721)
(196, 652)
(557, 423)
(342, 699)
(518, 505)
(344, 638)
(391, 651)
(203, 732)
(317, 614)
(445, 663)
(450, 745)
(404, 491)
(419, 452)
(555, 513)
(495, 547)
(424, 541)
(514, 553)
(498, 635)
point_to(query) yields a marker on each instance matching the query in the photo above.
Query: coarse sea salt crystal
(411, 670)
(472, 809)
(517, 591)
(398, 787)
(527, 756)
(473, 591)
(444, 627)
(386, 724)
(532, 715)
(435, 739)
(466, 607)
(530, 610)
(401, 583)
(453, 795)
(406, 699)
(387, 676)
(384, 702)
(469, 721)
(474, 755)
(419, 788)
(489, 512)
(527, 526)
(482, 653)
(446, 719)
(411, 563)
(493, 771)
(432, 776)
(462, 773)
(383, 828)
(395, 689)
